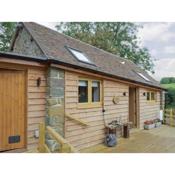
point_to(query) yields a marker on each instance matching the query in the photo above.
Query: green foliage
(170, 95)
(167, 80)
(169, 86)
(6, 31)
(115, 37)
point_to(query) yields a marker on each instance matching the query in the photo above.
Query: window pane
(152, 96)
(95, 91)
(83, 91)
(82, 83)
(143, 76)
(80, 56)
(148, 96)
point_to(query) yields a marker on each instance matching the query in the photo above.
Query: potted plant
(149, 124)
(157, 122)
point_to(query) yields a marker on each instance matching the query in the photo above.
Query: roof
(18, 56)
(54, 46)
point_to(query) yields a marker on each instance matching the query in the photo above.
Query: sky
(159, 38)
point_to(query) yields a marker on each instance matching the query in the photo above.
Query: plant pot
(150, 126)
(158, 124)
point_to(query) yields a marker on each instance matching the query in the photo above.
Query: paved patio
(158, 140)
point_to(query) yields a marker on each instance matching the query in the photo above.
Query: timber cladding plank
(37, 95)
(32, 83)
(36, 103)
(12, 109)
(35, 76)
(80, 137)
(148, 110)
(36, 108)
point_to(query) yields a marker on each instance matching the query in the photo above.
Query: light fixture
(38, 81)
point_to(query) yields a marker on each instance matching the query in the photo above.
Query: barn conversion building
(50, 77)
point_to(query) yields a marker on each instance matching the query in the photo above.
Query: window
(95, 91)
(83, 91)
(122, 62)
(148, 96)
(141, 75)
(151, 96)
(89, 92)
(79, 55)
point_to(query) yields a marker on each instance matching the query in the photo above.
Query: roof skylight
(141, 75)
(80, 55)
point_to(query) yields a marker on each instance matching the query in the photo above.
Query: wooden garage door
(12, 109)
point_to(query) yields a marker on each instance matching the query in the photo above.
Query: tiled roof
(54, 44)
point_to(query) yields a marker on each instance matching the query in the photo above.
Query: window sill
(89, 105)
(151, 101)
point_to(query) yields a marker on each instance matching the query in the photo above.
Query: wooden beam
(79, 121)
(65, 146)
(171, 117)
(21, 62)
(103, 77)
(55, 135)
(41, 147)
(46, 149)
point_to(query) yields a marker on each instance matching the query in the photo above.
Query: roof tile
(54, 45)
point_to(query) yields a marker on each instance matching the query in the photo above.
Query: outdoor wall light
(103, 110)
(38, 82)
(144, 94)
(124, 93)
(36, 133)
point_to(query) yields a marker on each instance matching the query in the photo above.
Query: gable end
(25, 44)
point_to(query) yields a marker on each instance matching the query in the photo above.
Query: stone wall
(25, 45)
(55, 103)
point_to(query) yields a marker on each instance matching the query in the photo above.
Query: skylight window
(80, 55)
(145, 78)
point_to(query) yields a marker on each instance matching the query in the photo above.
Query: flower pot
(158, 124)
(150, 126)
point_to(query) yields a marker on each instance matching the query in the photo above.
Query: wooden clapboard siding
(80, 136)
(119, 110)
(36, 104)
(148, 110)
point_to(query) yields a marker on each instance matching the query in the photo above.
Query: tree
(170, 97)
(167, 80)
(168, 83)
(115, 37)
(6, 31)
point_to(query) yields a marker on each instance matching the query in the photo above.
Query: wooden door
(12, 109)
(133, 105)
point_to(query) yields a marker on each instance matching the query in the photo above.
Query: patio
(158, 140)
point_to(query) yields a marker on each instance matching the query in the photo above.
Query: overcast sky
(159, 38)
